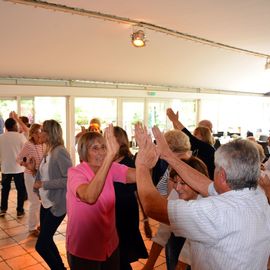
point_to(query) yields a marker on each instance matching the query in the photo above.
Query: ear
(223, 180)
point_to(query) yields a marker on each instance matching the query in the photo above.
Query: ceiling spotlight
(267, 64)
(138, 38)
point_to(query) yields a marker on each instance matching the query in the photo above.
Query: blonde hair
(54, 131)
(259, 148)
(178, 141)
(205, 134)
(33, 129)
(206, 123)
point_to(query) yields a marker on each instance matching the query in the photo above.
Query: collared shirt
(91, 230)
(227, 231)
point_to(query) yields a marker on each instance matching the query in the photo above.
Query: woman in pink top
(92, 241)
(32, 149)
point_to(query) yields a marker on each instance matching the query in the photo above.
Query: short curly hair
(178, 141)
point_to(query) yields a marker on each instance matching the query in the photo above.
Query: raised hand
(162, 145)
(140, 135)
(111, 142)
(172, 115)
(147, 155)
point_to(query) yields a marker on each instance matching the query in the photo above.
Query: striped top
(226, 231)
(162, 185)
(31, 150)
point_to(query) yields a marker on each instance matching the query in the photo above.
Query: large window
(132, 112)
(187, 111)
(87, 108)
(6, 106)
(157, 113)
(47, 108)
(27, 107)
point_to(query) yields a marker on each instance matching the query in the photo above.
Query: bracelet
(144, 220)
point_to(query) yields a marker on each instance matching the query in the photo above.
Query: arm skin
(90, 192)
(131, 175)
(153, 256)
(155, 206)
(15, 116)
(174, 117)
(191, 176)
(181, 266)
(264, 182)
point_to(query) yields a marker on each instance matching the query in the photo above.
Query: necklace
(46, 153)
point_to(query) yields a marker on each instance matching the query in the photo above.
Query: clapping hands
(111, 142)
(147, 155)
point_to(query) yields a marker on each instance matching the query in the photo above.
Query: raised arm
(23, 126)
(154, 205)
(90, 192)
(174, 117)
(192, 177)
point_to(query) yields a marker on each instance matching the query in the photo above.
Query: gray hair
(241, 163)
(86, 141)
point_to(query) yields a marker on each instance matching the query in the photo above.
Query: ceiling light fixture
(145, 25)
(138, 39)
(267, 64)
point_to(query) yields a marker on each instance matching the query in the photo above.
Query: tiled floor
(17, 247)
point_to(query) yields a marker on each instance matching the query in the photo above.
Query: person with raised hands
(224, 227)
(200, 148)
(91, 238)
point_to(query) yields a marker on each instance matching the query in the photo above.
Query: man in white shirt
(11, 143)
(230, 228)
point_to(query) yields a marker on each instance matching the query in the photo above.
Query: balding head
(206, 123)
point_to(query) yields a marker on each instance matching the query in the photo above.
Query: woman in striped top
(32, 150)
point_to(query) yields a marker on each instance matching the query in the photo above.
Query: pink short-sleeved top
(91, 229)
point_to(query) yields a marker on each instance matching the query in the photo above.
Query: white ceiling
(41, 43)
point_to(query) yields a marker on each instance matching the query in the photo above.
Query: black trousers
(172, 250)
(20, 186)
(45, 245)
(112, 263)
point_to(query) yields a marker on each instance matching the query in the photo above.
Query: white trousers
(34, 202)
